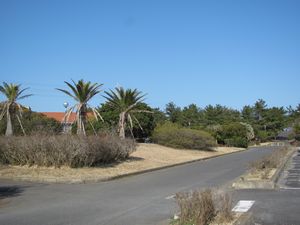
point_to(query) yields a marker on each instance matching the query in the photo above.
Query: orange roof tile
(59, 116)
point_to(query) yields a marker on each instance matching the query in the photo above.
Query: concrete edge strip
(283, 165)
(274, 179)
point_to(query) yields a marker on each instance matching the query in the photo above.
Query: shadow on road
(10, 191)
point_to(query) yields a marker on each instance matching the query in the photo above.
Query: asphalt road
(136, 200)
(272, 207)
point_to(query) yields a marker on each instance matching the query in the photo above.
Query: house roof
(59, 116)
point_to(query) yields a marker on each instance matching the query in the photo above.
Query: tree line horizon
(126, 110)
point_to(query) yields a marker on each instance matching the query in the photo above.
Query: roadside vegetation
(203, 208)
(173, 135)
(64, 150)
(265, 167)
(33, 139)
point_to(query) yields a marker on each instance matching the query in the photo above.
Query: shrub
(240, 142)
(64, 150)
(235, 134)
(196, 207)
(172, 135)
(271, 161)
(204, 207)
(262, 136)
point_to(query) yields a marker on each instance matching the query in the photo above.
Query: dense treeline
(256, 122)
(126, 114)
(229, 126)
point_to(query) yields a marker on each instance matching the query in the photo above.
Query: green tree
(293, 114)
(248, 114)
(147, 121)
(219, 114)
(274, 120)
(82, 92)
(11, 107)
(260, 107)
(173, 112)
(191, 116)
(126, 102)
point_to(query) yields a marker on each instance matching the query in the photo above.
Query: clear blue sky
(204, 52)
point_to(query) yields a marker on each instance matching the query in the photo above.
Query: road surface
(135, 200)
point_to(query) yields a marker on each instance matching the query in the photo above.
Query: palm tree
(82, 92)
(13, 93)
(126, 103)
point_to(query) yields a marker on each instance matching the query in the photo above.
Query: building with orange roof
(66, 122)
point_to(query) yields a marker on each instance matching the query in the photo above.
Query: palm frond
(24, 96)
(67, 93)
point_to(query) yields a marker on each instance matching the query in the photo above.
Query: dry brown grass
(224, 205)
(147, 156)
(204, 207)
(64, 150)
(266, 167)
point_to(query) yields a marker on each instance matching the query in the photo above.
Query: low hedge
(172, 135)
(64, 150)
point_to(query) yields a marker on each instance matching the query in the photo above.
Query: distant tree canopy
(264, 122)
(228, 126)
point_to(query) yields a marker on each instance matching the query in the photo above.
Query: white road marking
(170, 197)
(243, 206)
(289, 188)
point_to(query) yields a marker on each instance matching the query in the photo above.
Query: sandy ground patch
(147, 157)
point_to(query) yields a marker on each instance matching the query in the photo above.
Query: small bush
(235, 134)
(271, 161)
(204, 207)
(172, 135)
(64, 150)
(196, 207)
(262, 136)
(240, 142)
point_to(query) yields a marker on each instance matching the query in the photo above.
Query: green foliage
(234, 134)
(173, 112)
(126, 103)
(173, 135)
(146, 120)
(82, 92)
(262, 136)
(191, 116)
(218, 114)
(11, 108)
(33, 123)
(296, 130)
(235, 141)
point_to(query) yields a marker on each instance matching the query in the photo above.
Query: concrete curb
(263, 184)
(243, 219)
(85, 181)
(169, 166)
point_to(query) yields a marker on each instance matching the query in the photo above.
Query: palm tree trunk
(122, 125)
(9, 130)
(81, 122)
